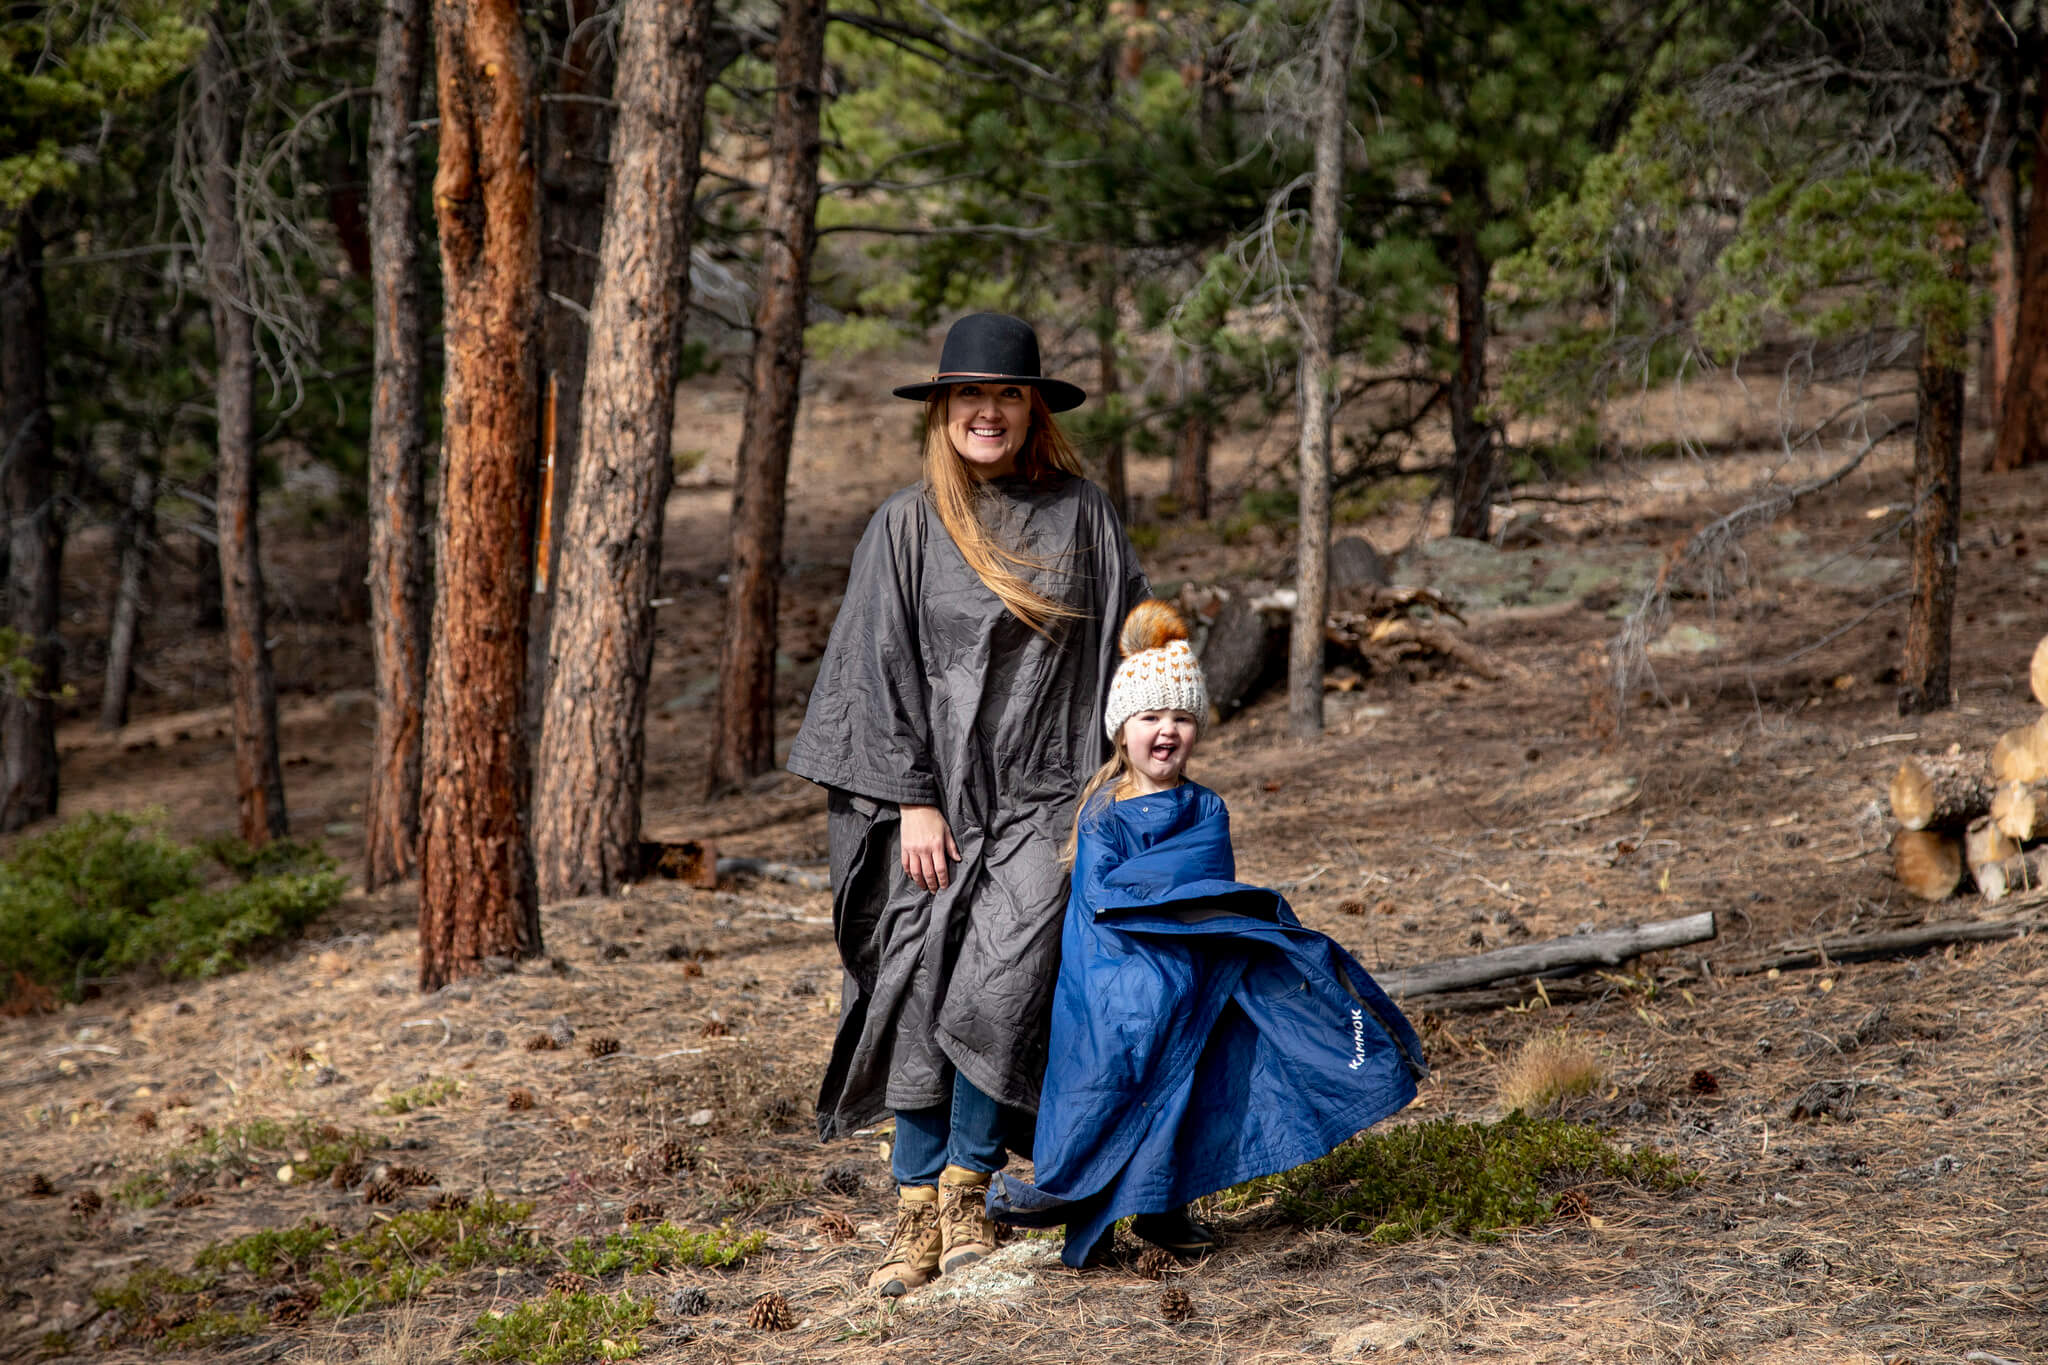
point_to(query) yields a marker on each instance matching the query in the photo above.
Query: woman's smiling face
(987, 424)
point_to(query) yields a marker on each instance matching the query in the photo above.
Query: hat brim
(1060, 396)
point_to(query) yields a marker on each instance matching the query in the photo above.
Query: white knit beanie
(1159, 671)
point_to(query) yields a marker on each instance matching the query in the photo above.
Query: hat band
(978, 374)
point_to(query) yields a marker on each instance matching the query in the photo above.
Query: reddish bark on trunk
(252, 688)
(745, 741)
(1189, 480)
(1937, 499)
(476, 869)
(398, 552)
(586, 808)
(2023, 420)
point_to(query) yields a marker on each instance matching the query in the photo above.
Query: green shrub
(659, 1246)
(562, 1329)
(104, 894)
(267, 1142)
(1473, 1179)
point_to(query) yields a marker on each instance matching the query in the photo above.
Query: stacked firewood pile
(1984, 817)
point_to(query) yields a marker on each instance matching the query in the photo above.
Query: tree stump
(1244, 654)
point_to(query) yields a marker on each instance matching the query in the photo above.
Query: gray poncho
(932, 693)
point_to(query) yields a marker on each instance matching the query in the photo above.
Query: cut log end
(1927, 864)
(2020, 810)
(2020, 872)
(2037, 673)
(2021, 754)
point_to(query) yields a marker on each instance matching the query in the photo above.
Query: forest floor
(1871, 1185)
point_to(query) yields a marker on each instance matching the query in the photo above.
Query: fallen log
(1944, 793)
(2019, 872)
(2021, 754)
(2020, 810)
(1600, 948)
(1889, 943)
(1927, 864)
(774, 872)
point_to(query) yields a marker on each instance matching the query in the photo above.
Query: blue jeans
(973, 1131)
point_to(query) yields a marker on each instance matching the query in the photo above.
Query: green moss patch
(396, 1260)
(269, 1142)
(661, 1246)
(1473, 1179)
(422, 1096)
(562, 1329)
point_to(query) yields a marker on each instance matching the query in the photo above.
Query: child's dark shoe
(1175, 1232)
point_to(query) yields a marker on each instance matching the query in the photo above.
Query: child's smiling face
(1158, 744)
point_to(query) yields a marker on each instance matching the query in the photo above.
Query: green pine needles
(562, 1329)
(1476, 1180)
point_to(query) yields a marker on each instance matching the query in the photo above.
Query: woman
(956, 713)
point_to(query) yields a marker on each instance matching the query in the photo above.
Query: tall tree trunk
(1189, 481)
(1472, 455)
(252, 688)
(1109, 384)
(35, 538)
(744, 743)
(477, 893)
(575, 139)
(593, 744)
(1318, 383)
(1937, 499)
(2001, 198)
(2023, 419)
(397, 475)
(138, 544)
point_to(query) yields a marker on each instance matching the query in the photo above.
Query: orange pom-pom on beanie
(1159, 671)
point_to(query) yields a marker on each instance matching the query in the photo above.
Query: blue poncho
(1200, 1035)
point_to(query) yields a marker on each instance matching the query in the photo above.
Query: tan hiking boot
(913, 1255)
(966, 1231)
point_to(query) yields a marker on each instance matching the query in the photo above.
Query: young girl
(1201, 1036)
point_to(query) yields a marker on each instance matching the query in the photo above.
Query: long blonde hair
(1115, 775)
(954, 492)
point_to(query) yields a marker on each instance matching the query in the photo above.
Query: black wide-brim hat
(994, 348)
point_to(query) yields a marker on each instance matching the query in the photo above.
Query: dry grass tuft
(1546, 1071)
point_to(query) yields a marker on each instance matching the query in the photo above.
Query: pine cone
(190, 1199)
(1175, 1305)
(196, 1132)
(450, 1203)
(601, 1046)
(771, 1314)
(567, 1282)
(39, 1186)
(520, 1100)
(541, 1042)
(843, 1180)
(86, 1203)
(742, 1186)
(327, 1132)
(1154, 1262)
(409, 1176)
(347, 1175)
(295, 1311)
(298, 1056)
(381, 1191)
(645, 1211)
(715, 1028)
(145, 1119)
(835, 1226)
(693, 968)
(673, 1156)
